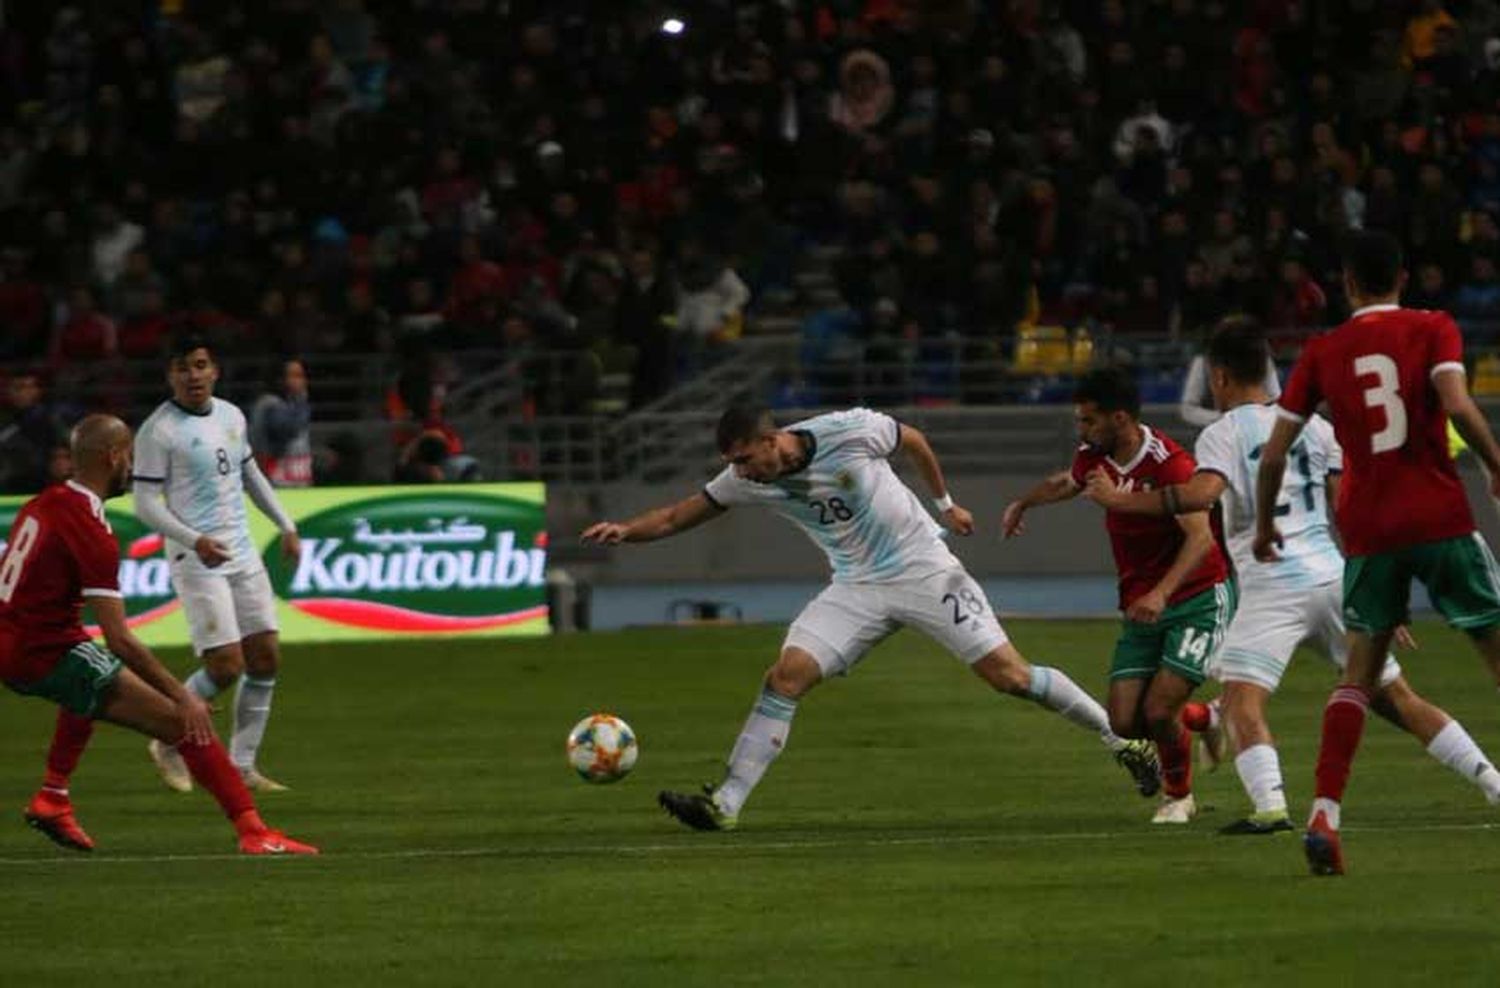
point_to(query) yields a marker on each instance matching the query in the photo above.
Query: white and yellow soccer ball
(602, 748)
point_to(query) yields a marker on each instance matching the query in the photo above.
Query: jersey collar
(1382, 307)
(1140, 454)
(207, 409)
(94, 501)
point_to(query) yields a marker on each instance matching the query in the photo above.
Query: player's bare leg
(1255, 761)
(1162, 711)
(1343, 726)
(761, 740)
(132, 703)
(51, 809)
(1444, 738)
(1007, 670)
(252, 708)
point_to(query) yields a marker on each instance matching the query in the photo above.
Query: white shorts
(223, 608)
(846, 620)
(1271, 624)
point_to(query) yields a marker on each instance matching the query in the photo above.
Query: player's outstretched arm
(1453, 392)
(1268, 486)
(110, 612)
(1059, 486)
(919, 451)
(1200, 493)
(151, 508)
(658, 523)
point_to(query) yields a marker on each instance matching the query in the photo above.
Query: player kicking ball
(1295, 598)
(193, 467)
(1392, 378)
(62, 553)
(1175, 589)
(831, 476)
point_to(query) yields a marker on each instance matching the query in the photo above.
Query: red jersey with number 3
(60, 550)
(1375, 372)
(1145, 546)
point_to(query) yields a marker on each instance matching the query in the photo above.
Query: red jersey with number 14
(1145, 546)
(1375, 372)
(60, 551)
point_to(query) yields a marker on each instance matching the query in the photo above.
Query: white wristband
(943, 503)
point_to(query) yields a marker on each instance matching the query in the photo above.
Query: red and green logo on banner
(439, 560)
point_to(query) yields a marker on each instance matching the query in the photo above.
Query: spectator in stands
(711, 308)
(83, 333)
(29, 429)
(281, 427)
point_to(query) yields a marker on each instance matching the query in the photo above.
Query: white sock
(1054, 690)
(1328, 808)
(1454, 748)
(1260, 773)
(202, 683)
(760, 741)
(252, 708)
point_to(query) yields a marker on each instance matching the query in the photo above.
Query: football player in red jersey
(61, 552)
(1391, 378)
(1175, 589)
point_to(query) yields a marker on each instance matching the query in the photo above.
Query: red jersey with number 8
(1375, 372)
(60, 551)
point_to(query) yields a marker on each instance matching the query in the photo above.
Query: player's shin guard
(210, 766)
(1259, 769)
(69, 738)
(1343, 725)
(1054, 690)
(761, 740)
(252, 708)
(1456, 749)
(1176, 754)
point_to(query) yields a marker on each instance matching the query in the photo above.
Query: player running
(1175, 589)
(193, 466)
(1296, 598)
(831, 476)
(62, 553)
(1391, 378)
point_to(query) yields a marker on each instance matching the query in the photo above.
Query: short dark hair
(184, 343)
(1239, 346)
(1372, 259)
(1112, 389)
(742, 423)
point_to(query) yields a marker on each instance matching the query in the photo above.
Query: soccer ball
(602, 748)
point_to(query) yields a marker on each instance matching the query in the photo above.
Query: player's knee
(1161, 717)
(794, 673)
(225, 669)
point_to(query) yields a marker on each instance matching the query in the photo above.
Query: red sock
(1176, 764)
(1343, 725)
(209, 765)
(69, 739)
(1196, 716)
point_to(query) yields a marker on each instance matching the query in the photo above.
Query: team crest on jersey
(845, 480)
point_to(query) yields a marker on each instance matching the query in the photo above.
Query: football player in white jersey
(1299, 596)
(193, 466)
(831, 476)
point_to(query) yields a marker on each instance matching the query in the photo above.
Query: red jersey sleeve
(1083, 462)
(1447, 346)
(1178, 469)
(97, 557)
(1300, 397)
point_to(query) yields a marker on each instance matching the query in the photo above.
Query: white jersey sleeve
(1217, 451)
(150, 453)
(860, 429)
(727, 489)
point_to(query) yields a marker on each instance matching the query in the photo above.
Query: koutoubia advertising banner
(377, 562)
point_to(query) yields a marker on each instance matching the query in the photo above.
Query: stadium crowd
(628, 182)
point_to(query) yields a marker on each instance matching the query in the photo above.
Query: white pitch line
(711, 845)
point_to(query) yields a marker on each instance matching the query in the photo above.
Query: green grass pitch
(920, 830)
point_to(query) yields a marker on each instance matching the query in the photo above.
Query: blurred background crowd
(632, 187)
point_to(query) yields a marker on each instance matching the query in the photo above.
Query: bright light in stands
(673, 26)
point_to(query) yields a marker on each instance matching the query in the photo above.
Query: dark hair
(1238, 345)
(184, 343)
(1112, 389)
(741, 423)
(1372, 259)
